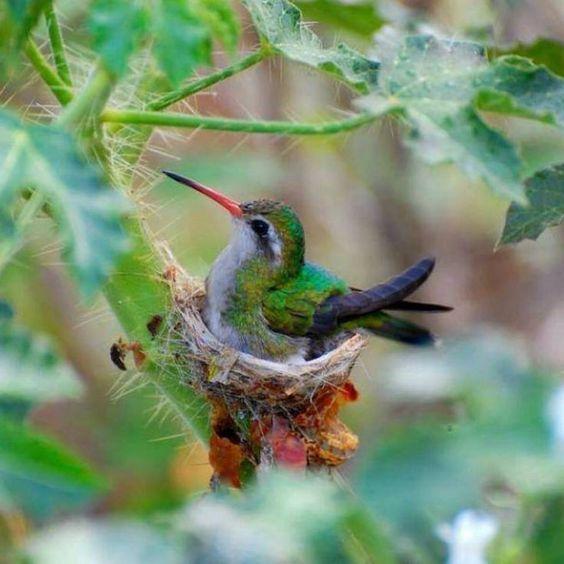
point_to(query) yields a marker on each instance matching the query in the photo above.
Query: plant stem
(207, 81)
(136, 293)
(26, 216)
(196, 86)
(90, 101)
(59, 89)
(227, 124)
(57, 45)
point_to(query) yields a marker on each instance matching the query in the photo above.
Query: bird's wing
(386, 295)
(290, 308)
(423, 307)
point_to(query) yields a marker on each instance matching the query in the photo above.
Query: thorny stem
(236, 125)
(29, 211)
(196, 86)
(207, 81)
(91, 100)
(137, 293)
(59, 89)
(57, 44)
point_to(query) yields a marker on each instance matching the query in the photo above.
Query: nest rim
(224, 372)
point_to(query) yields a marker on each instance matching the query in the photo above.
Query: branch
(194, 87)
(226, 124)
(57, 45)
(59, 89)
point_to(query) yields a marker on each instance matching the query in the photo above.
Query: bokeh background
(370, 209)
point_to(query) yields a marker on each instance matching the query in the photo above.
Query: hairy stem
(207, 81)
(137, 292)
(57, 45)
(226, 124)
(59, 89)
(90, 101)
(197, 85)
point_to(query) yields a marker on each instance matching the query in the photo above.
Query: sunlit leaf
(545, 191)
(296, 518)
(30, 369)
(219, 17)
(280, 23)
(110, 540)
(283, 518)
(39, 475)
(433, 83)
(181, 41)
(88, 212)
(117, 29)
(361, 18)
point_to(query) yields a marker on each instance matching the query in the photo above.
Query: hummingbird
(265, 299)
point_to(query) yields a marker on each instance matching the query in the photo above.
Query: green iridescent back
(290, 307)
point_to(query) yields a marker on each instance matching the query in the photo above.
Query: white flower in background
(468, 536)
(555, 414)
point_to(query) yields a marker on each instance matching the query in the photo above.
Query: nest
(303, 398)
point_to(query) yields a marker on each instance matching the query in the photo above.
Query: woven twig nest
(306, 395)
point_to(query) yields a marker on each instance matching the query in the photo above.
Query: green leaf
(280, 23)
(516, 86)
(543, 51)
(546, 537)
(87, 210)
(361, 18)
(433, 83)
(545, 191)
(463, 138)
(30, 369)
(182, 43)
(39, 475)
(117, 29)
(24, 15)
(219, 17)
(6, 311)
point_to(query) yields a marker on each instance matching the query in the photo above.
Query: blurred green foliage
(94, 469)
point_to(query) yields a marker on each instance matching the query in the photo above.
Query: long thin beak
(233, 207)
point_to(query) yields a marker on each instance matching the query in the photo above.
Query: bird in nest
(265, 299)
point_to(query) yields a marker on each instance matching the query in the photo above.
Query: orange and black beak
(233, 207)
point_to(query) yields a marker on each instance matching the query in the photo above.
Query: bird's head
(265, 228)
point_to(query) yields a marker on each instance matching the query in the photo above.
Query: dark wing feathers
(405, 305)
(382, 296)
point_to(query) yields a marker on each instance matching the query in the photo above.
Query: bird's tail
(389, 327)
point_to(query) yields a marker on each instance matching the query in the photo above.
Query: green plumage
(290, 307)
(264, 299)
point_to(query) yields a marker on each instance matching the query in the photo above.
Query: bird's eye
(260, 227)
